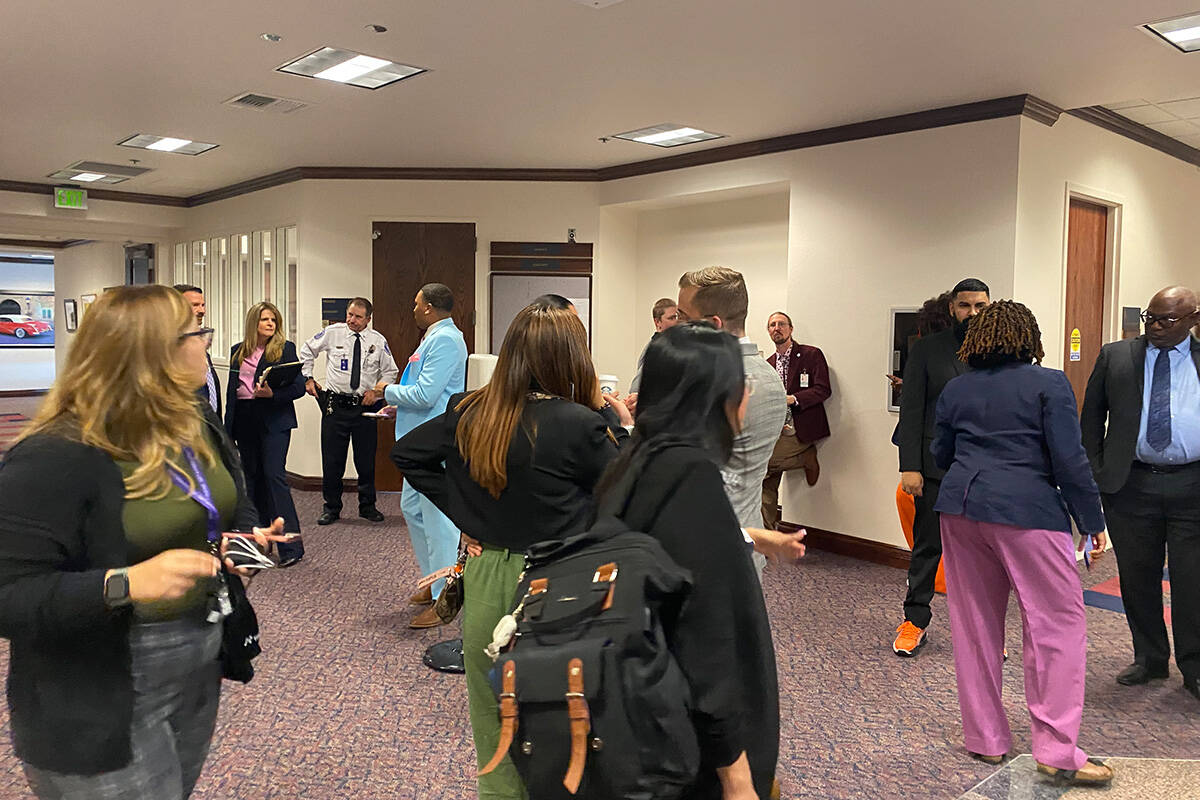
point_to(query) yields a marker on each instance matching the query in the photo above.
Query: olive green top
(176, 521)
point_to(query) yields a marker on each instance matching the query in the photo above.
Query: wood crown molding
(23, 392)
(1016, 105)
(853, 546)
(1114, 122)
(42, 244)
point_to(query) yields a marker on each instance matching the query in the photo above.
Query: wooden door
(405, 257)
(1087, 240)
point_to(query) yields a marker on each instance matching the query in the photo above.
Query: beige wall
(1159, 199)
(85, 269)
(871, 225)
(749, 234)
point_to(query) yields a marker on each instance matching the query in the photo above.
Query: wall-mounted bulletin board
(523, 271)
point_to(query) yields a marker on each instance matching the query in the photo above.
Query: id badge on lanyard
(203, 497)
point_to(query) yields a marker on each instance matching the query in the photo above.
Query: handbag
(450, 601)
(239, 637)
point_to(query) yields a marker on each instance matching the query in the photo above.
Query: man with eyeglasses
(718, 295)
(1141, 430)
(210, 392)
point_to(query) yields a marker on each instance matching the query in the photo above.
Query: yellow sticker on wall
(1076, 344)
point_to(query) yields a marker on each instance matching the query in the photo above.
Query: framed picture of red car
(71, 314)
(26, 319)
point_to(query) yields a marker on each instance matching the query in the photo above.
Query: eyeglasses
(1152, 319)
(205, 333)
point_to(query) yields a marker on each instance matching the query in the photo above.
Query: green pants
(489, 581)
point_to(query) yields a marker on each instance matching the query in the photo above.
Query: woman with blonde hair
(512, 464)
(111, 586)
(261, 419)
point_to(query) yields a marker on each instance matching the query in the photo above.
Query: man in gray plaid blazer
(719, 295)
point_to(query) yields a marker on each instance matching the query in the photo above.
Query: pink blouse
(245, 387)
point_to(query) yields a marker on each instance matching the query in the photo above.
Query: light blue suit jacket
(437, 370)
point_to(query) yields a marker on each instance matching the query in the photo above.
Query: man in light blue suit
(437, 370)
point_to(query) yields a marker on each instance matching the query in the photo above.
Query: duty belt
(331, 400)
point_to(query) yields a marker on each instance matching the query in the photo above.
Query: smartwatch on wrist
(116, 588)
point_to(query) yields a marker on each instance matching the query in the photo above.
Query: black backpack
(592, 703)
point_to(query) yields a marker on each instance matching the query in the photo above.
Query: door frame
(481, 297)
(1115, 204)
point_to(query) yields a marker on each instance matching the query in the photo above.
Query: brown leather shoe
(422, 598)
(426, 619)
(812, 468)
(1094, 772)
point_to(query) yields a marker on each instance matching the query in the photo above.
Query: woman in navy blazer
(261, 419)
(1008, 435)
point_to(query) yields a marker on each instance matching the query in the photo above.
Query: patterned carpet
(10, 425)
(343, 708)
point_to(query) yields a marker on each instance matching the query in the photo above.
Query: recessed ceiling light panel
(354, 69)
(167, 144)
(668, 134)
(87, 177)
(97, 172)
(1182, 33)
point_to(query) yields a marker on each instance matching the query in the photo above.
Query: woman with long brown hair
(512, 464)
(115, 498)
(261, 419)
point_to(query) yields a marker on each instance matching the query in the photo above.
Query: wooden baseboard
(853, 546)
(24, 393)
(310, 483)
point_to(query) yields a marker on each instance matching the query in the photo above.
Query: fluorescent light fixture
(1182, 33)
(350, 68)
(167, 144)
(87, 177)
(354, 68)
(668, 134)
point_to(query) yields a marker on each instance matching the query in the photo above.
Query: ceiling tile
(1184, 109)
(1147, 115)
(1175, 128)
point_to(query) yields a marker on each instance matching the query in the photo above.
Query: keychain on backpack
(503, 633)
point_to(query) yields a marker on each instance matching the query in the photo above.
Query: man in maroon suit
(805, 377)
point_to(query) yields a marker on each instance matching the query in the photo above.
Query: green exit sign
(69, 198)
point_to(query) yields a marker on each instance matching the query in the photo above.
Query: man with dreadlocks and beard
(1008, 437)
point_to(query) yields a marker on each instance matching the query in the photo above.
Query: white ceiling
(534, 83)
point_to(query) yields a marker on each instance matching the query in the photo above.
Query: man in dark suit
(1147, 465)
(805, 376)
(210, 392)
(932, 363)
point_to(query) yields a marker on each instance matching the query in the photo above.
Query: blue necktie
(1158, 420)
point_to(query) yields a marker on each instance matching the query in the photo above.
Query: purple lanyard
(200, 494)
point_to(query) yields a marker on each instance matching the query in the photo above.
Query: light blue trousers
(434, 537)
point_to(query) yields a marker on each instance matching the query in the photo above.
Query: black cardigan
(70, 689)
(722, 637)
(550, 479)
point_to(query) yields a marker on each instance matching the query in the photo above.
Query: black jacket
(1114, 396)
(932, 363)
(281, 409)
(722, 637)
(550, 475)
(70, 691)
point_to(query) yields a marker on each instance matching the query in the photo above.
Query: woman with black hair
(691, 402)
(1008, 435)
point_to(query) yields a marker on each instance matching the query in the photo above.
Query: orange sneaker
(909, 639)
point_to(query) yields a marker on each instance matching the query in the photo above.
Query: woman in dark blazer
(261, 419)
(1008, 435)
(107, 569)
(512, 464)
(691, 403)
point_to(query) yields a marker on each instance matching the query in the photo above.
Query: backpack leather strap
(577, 711)
(508, 716)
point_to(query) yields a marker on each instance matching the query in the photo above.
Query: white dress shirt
(337, 343)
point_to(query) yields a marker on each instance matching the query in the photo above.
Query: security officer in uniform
(358, 359)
